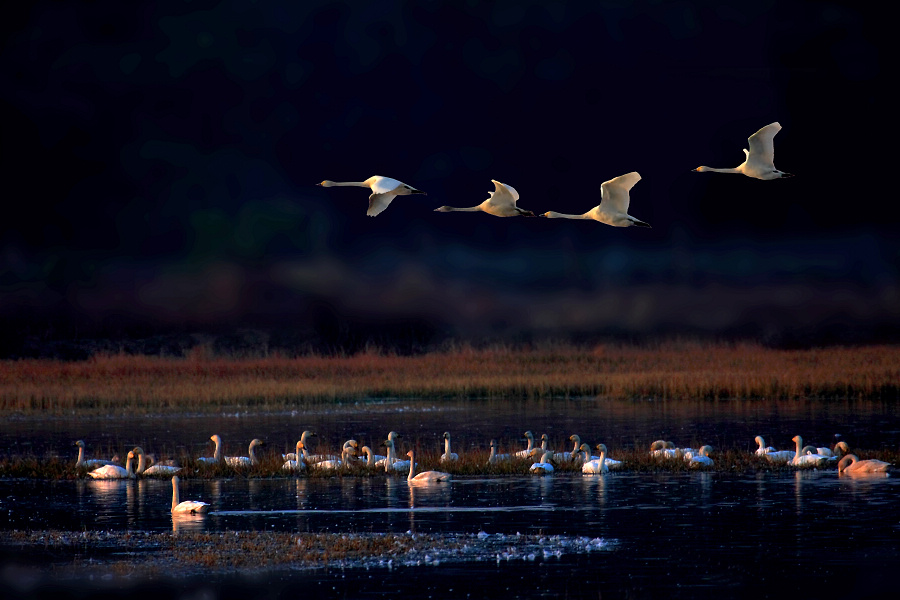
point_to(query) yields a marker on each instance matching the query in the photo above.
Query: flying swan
(760, 158)
(500, 203)
(188, 506)
(613, 207)
(384, 189)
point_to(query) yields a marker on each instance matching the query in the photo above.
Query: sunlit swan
(852, 464)
(448, 456)
(91, 462)
(370, 458)
(188, 506)
(114, 471)
(384, 189)
(527, 451)
(663, 449)
(494, 457)
(613, 208)
(575, 454)
(586, 456)
(160, 469)
(596, 466)
(296, 463)
(245, 461)
(425, 476)
(759, 160)
(500, 203)
(397, 465)
(763, 449)
(803, 455)
(391, 457)
(348, 454)
(304, 440)
(217, 455)
(543, 467)
(702, 457)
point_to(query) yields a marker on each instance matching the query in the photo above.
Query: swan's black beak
(785, 175)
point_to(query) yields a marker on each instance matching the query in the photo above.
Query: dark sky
(159, 165)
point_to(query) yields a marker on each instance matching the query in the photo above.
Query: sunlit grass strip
(678, 371)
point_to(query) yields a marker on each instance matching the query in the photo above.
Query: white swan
(586, 456)
(192, 507)
(702, 457)
(494, 457)
(370, 458)
(759, 161)
(852, 464)
(91, 462)
(803, 456)
(596, 466)
(396, 465)
(575, 454)
(296, 463)
(348, 454)
(543, 467)
(763, 449)
(529, 448)
(167, 470)
(613, 207)
(663, 449)
(114, 471)
(500, 203)
(425, 476)
(245, 461)
(448, 456)
(304, 439)
(217, 455)
(384, 189)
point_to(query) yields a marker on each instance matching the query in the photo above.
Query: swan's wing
(383, 185)
(503, 195)
(379, 202)
(614, 193)
(762, 144)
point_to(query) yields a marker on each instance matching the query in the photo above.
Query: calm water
(680, 535)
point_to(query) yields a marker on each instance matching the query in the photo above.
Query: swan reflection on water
(188, 523)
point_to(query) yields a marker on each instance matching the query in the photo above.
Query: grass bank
(674, 371)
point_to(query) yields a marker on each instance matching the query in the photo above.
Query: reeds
(113, 384)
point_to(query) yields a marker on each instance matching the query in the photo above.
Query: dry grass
(676, 371)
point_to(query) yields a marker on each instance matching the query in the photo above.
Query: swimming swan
(91, 462)
(448, 456)
(544, 467)
(500, 203)
(384, 189)
(188, 506)
(852, 464)
(803, 456)
(759, 160)
(114, 471)
(613, 207)
(494, 457)
(425, 476)
(217, 455)
(598, 466)
(246, 461)
(527, 451)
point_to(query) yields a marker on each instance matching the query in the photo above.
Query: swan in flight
(702, 457)
(613, 207)
(114, 471)
(527, 451)
(598, 465)
(246, 461)
(91, 462)
(188, 506)
(759, 160)
(424, 476)
(296, 463)
(448, 456)
(384, 189)
(852, 464)
(217, 455)
(500, 203)
(543, 467)
(494, 457)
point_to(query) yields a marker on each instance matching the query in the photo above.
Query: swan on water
(296, 463)
(384, 189)
(348, 454)
(391, 457)
(370, 458)
(217, 455)
(246, 461)
(159, 469)
(192, 507)
(613, 208)
(586, 456)
(494, 457)
(763, 449)
(114, 471)
(803, 455)
(425, 476)
(448, 456)
(91, 462)
(702, 457)
(500, 203)
(396, 465)
(596, 466)
(543, 467)
(526, 453)
(759, 161)
(852, 464)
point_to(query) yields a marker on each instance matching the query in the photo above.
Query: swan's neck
(175, 497)
(80, 460)
(799, 446)
(493, 452)
(530, 446)
(460, 209)
(577, 447)
(555, 215)
(412, 467)
(128, 467)
(391, 452)
(447, 446)
(346, 184)
(141, 464)
(252, 453)
(725, 170)
(217, 455)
